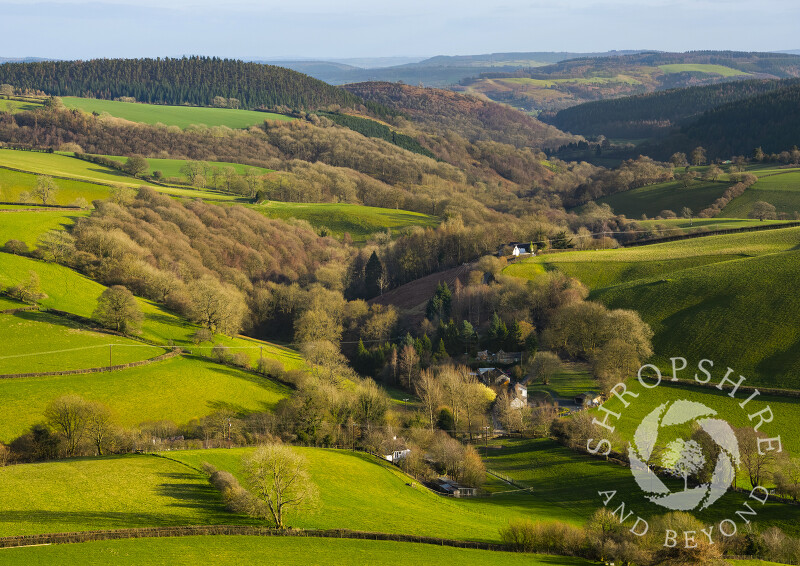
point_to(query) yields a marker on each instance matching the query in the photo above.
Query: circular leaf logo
(684, 458)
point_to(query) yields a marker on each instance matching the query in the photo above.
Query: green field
(671, 195)
(572, 380)
(57, 164)
(72, 292)
(27, 226)
(12, 183)
(782, 190)
(27, 333)
(568, 482)
(181, 116)
(720, 297)
(277, 551)
(178, 389)
(172, 167)
(701, 68)
(350, 483)
(707, 224)
(105, 493)
(548, 83)
(359, 221)
(14, 106)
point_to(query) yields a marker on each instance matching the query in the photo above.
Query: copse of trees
(189, 80)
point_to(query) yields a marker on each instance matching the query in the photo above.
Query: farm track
(159, 358)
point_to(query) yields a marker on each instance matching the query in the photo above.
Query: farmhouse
(397, 455)
(519, 249)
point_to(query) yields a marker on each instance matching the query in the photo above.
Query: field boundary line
(159, 358)
(679, 237)
(241, 530)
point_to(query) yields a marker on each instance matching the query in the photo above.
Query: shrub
(241, 359)
(270, 367)
(221, 353)
(202, 335)
(16, 247)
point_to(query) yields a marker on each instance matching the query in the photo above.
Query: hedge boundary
(240, 530)
(159, 358)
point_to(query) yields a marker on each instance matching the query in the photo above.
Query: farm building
(588, 399)
(451, 487)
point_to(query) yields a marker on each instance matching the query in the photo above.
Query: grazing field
(72, 292)
(177, 389)
(720, 297)
(701, 68)
(12, 183)
(23, 335)
(62, 165)
(568, 482)
(671, 195)
(181, 116)
(105, 493)
(276, 551)
(172, 167)
(14, 106)
(352, 482)
(358, 221)
(782, 190)
(707, 224)
(784, 408)
(27, 226)
(573, 379)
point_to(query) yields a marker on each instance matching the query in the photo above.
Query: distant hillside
(571, 82)
(470, 117)
(436, 71)
(195, 81)
(654, 114)
(771, 121)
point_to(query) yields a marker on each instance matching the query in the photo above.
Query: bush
(270, 368)
(241, 359)
(221, 353)
(202, 335)
(16, 247)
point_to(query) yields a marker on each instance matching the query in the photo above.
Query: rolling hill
(704, 298)
(574, 81)
(189, 80)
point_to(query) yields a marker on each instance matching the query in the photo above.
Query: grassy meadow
(172, 167)
(780, 189)
(670, 195)
(701, 68)
(358, 221)
(63, 165)
(72, 292)
(27, 226)
(706, 224)
(12, 183)
(720, 297)
(106, 493)
(181, 116)
(276, 551)
(178, 389)
(25, 334)
(568, 483)
(350, 483)
(14, 106)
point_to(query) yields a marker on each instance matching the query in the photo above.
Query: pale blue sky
(70, 29)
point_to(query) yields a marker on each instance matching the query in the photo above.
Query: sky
(265, 29)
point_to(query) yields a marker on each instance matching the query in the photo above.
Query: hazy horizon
(313, 29)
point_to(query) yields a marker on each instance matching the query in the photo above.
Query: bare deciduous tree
(278, 476)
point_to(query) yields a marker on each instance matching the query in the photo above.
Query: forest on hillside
(653, 114)
(195, 81)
